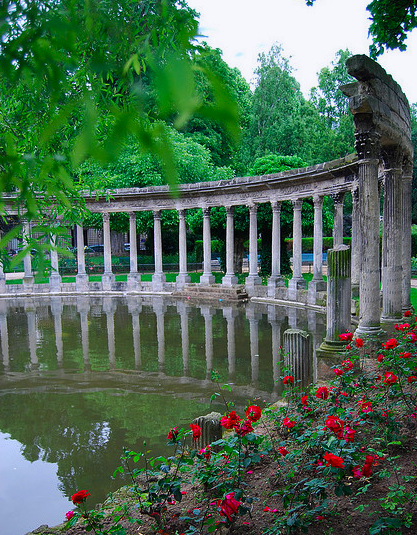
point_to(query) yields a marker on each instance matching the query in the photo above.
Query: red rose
(391, 343)
(335, 424)
(172, 435)
(69, 515)
(288, 379)
(380, 357)
(367, 466)
(230, 421)
(390, 378)
(408, 313)
(359, 342)
(322, 392)
(349, 434)
(283, 451)
(346, 337)
(412, 379)
(347, 365)
(205, 452)
(244, 428)
(79, 496)
(333, 460)
(196, 431)
(229, 506)
(253, 413)
(338, 372)
(289, 424)
(405, 355)
(304, 399)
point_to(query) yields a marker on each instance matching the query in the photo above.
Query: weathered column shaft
(107, 243)
(338, 219)
(356, 239)
(182, 241)
(297, 240)
(406, 241)
(318, 239)
(54, 277)
(207, 276)
(253, 240)
(393, 237)
(275, 280)
(80, 250)
(298, 353)
(133, 248)
(338, 292)
(27, 260)
(157, 234)
(230, 278)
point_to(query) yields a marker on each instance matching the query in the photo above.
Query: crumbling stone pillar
(230, 278)
(211, 430)
(406, 236)
(297, 353)
(338, 199)
(393, 236)
(356, 243)
(338, 299)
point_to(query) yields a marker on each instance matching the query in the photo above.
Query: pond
(83, 377)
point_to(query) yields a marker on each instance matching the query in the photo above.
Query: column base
(107, 281)
(28, 282)
(331, 348)
(297, 283)
(158, 280)
(55, 282)
(81, 282)
(252, 281)
(133, 282)
(374, 331)
(207, 279)
(275, 282)
(229, 280)
(182, 280)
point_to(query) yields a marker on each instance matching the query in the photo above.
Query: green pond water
(83, 377)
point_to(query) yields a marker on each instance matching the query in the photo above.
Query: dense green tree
(390, 23)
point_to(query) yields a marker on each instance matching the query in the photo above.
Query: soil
(344, 518)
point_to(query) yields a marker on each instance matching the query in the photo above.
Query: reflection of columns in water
(253, 318)
(83, 307)
(109, 307)
(159, 309)
(4, 333)
(184, 310)
(56, 309)
(31, 319)
(230, 314)
(208, 313)
(297, 354)
(135, 309)
(275, 319)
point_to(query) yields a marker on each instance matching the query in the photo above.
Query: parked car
(126, 246)
(97, 248)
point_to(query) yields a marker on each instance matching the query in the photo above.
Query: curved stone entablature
(325, 179)
(378, 104)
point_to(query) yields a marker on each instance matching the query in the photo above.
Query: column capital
(393, 158)
(106, 216)
(181, 213)
(230, 210)
(297, 204)
(157, 214)
(206, 211)
(276, 206)
(132, 215)
(318, 201)
(367, 145)
(253, 208)
(339, 197)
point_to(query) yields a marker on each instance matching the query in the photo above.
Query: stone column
(28, 279)
(393, 237)
(158, 278)
(338, 199)
(230, 278)
(367, 146)
(406, 236)
(182, 278)
(81, 280)
(2, 275)
(253, 278)
(317, 284)
(54, 277)
(211, 430)
(133, 277)
(208, 313)
(356, 243)
(338, 299)
(298, 354)
(275, 280)
(297, 281)
(108, 276)
(207, 277)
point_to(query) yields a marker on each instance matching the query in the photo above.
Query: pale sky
(310, 36)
